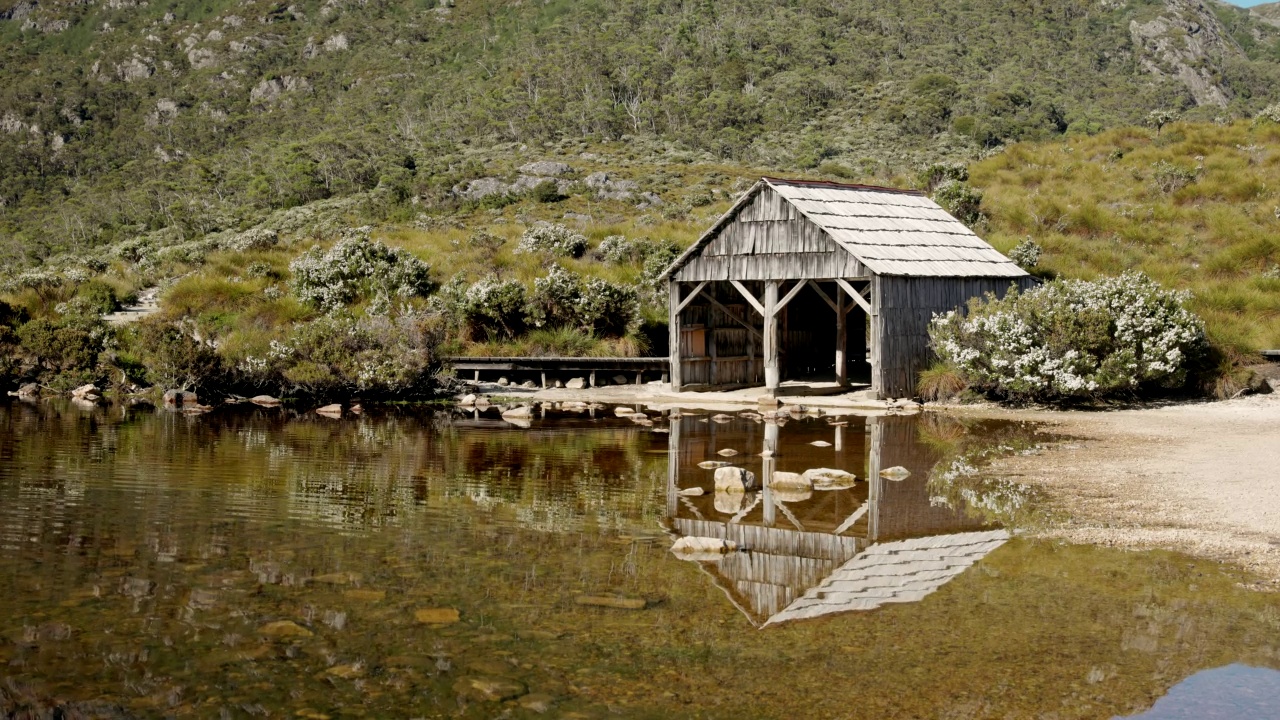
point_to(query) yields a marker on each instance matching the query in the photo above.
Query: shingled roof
(891, 232)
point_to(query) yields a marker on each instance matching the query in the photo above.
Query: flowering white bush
(357, 268)
(1073, 339)
(556, 240)
(1026, 254)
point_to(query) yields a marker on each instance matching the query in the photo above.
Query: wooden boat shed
(823, 281)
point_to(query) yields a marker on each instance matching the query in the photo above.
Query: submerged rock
(691, 492)
(436, 616)
(896, 472)
(734, 480)
(489, 689)
(283, 628)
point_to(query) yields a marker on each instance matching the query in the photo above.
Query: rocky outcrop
(1186, 43)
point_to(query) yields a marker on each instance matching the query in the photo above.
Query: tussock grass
(1096, 207)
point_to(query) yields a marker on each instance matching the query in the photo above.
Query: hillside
(122, 117)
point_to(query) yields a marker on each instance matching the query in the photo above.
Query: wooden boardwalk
(591, 369)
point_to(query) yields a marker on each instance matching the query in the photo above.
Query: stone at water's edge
(264, 400)
(524, 411)
(27, 391)
(624, 411)
(503, 382)
(691, 492)
(703, 545)
(178, 398)
(468, 400)
(895, 473)
(734, 480)
(436, 616)
(84, 391)
(820, 443)
(576, 384)
(727, 452)
(333, 410)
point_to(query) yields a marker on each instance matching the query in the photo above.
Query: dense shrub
(1073, 339)
(556, 300)
(1167, 177)
(98, 296)
(354, 269)
(936, 174)
(555, 240)
(609, 309)
(68, 346)
(174, 359)
(494, 307)
(340, 355)
(1026, 254)
(960, 199)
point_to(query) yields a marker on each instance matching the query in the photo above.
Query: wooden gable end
(770, 240)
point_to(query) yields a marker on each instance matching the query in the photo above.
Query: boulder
(829, 478)
(264, 400)
(731, 503)
(178, 398)
(545, 168)
(528, 384)
(624, 411)
(734, 480)
(334, 410)
(782, 479)
(699, 546)
(619, 379)
(468, 400)
(576, 383)
(896, 472)
(691, 492)
(557, 383)
(522, 411)
(84, 391)
(503, 382)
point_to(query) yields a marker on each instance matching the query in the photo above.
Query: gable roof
(891, 232)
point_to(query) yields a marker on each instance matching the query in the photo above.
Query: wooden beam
(822, 293)
(673, 336)
(747, 294)
(685, 302)
(842, 340)
(857, 296)
(772, 364)
(734, 317)
(791, 295)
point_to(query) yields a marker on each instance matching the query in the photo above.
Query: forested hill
(122, 116)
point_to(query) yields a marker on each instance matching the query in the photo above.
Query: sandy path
(1202, 478)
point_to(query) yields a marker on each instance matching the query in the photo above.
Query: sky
(1248, 3)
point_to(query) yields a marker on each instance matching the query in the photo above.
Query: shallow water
(421, 563)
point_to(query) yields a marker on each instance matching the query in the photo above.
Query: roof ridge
(844, 186)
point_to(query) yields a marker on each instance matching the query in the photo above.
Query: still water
(437, 563)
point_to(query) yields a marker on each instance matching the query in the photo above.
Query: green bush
(1073, 339)
(552, 239)
(99, 296)
(174, 359)
(960, 199)
(493, 307)
(556, 300)
(609, 309)
(70, 345)
(357, 268)
(1026, 254)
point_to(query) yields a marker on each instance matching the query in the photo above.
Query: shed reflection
(808, 553)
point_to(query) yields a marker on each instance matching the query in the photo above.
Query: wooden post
(673, 466)
(673, 336)
(477, 376)
(768, 466)
(772, 371)
(544, 379)
(713, 364)
(593, 378)
(842, 340)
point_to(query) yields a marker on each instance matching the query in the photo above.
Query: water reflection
(1232, 692)
(812, 552)
(435, 563)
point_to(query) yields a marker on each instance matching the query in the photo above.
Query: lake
(427, 562)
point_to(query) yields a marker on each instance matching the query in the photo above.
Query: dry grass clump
(1196, 208)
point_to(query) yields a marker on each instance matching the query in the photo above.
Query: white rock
(468, 400)
(782, 479)
(727, 452)
(820, 443)
(522, 411)
(896, 472)
(791, 494)
(830, 478)
(264, 400)
(691, 492)
(703, 545)
(731, 503)
(624, 411)
(721, 418)
(576, 383)
(334, 410)
(734, 480)
(503, 382)
(84, 390)
(528, 384)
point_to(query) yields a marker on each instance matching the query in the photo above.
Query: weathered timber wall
(902, 309)
(770, 240)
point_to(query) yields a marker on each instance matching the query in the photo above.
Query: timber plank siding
(908, 255)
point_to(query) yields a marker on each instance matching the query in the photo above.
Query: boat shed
(821, 281)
